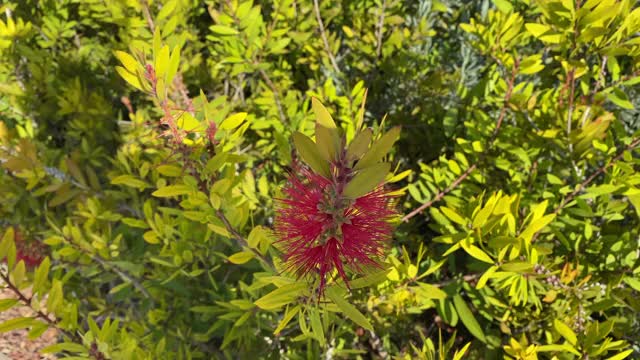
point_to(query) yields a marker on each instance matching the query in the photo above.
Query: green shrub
(148, 151)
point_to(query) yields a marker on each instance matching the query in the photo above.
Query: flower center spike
(335, 214)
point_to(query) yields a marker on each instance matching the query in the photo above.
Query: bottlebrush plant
(204, 179)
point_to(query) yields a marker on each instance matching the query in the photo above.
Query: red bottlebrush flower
(320, 230)
(32, 252)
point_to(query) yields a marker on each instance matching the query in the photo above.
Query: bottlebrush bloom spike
(321, 230)
(32, 252)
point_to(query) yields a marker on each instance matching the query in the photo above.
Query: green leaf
(233, 121)
(129, 62)
(477, 253)
(119, 288)
(258, 235)
(537, 30)
(55, 296)
(622, 355)
(19, 273)
(288, 315)
(536, 226)
(223, 30)
(151, 237)
(468, 319)
(129, 180)
(316, 325)
(282, 296)
(347, 309)
(379, 149)
(328, 142)
(429, 291)
(369, 280)
(6, 304)
(129, 77)
(174, 64)
(169, 170)
(41, 275)
(322, 115)
(366, 180)
(565, 331)
(453, 215)
(172, 190)
(71, 347)
(162, 62)
(187, 122)
(558, 348)
(485, 277)
(17, 323)
(240, 257)
(37, 330)
(633, 282)
(7, 241)
(217, 161)
(310, 154)
(359, 145)
(619, 98)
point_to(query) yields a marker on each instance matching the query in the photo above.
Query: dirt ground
(15, 345)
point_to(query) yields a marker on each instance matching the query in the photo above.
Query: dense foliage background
(144, 231)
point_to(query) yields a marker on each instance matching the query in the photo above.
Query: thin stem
(327, 48)
(27, 302)
(470, 169)
(380, 29)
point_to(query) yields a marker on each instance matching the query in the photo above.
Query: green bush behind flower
(516, 174)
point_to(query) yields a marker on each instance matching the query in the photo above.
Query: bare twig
(470, 169)
(147, 15)
(27, 302)
(242, 241)
(276, 96)
(441, 194)
(323, 34)
(124, 275)
(380, 29)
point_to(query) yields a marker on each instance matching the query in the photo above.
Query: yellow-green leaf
(233, 121)
(621, 355)
(366, 180)
(453, 216)
(6, 304)
(17, 323)
(310, 154)
(282, 296)
(477, 253)
(129, 77)
(223, 30)
(162, 62)
(379, 149)
(485, 277)
(322, 115)
(169, 170)
(359, 145)
(347, 309)
(328, 142)
(288, 315)
(151, 237)
(566, 332)
(129, 62)
(468, 319)
(429, 291)
(129, 180)
(241, 257)
(174, 63)
(172, 190)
